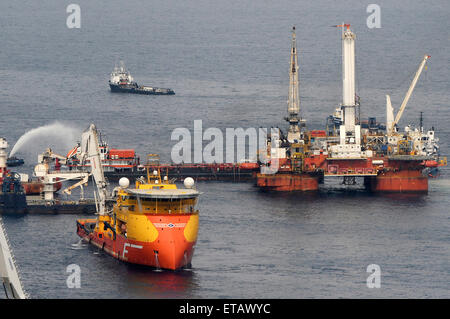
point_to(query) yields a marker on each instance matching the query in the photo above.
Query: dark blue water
(227, 62)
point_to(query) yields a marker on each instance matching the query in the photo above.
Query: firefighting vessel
(121, 81)
(389, 160)
(154, 224)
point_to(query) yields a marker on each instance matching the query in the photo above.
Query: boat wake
(79, 245)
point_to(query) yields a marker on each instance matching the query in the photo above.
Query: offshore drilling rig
(388, 159)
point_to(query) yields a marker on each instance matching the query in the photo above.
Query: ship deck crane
(90, 150)
(49, 155)
(80, 184)
(49, 178)
(390, 124)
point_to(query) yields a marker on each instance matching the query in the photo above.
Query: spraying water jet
(47, 134)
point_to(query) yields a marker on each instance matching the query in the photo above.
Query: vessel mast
(294, 100)
(348, 79)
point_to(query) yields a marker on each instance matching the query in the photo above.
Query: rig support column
(402, 181)
(287, 182)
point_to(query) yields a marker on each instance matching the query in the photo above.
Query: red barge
(118, 163)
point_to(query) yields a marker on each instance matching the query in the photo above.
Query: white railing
(5, 235)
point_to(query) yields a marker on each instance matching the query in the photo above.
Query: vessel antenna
(421, 122)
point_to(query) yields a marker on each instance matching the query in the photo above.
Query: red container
(318, 133)
(121, 153)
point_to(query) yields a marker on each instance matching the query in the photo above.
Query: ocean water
(228, 64)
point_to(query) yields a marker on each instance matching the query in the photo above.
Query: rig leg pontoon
(403, 181)
(287, 182)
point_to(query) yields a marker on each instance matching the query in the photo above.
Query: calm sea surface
(228, 64)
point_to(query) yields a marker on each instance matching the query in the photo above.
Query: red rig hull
(287, 182)
(404, 181)
(172, 246)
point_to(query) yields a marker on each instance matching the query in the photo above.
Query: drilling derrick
(348, 79)
(294, 100)
(350, 131)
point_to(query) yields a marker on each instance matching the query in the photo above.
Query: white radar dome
(189, 182)
(124, 182)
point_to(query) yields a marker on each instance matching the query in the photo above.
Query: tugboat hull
(140, 90)
(14, 161)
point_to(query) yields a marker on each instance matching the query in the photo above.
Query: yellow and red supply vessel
(154, 224)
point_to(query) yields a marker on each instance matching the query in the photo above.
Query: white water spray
(78, 245)
(50, 135)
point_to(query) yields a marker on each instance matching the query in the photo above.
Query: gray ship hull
(140, 90)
